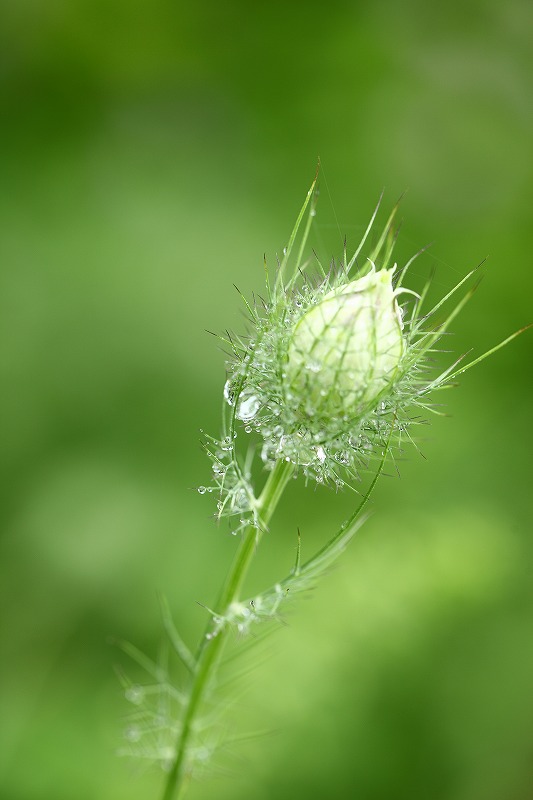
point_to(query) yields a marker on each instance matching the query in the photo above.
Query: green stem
(211, 646)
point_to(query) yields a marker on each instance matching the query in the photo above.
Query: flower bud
(346, 349)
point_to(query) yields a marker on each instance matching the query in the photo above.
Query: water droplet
(284, 251)
(229, 393)
(202, 753)
(134, 694)
(248, 429)
(342, 458)
(167, 756)
(132, 733)
(321, 454)
(202, 490)
(248, 408)
(313, 366)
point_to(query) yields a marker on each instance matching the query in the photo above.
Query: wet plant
(332, 377)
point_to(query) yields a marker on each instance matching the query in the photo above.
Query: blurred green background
(151, 152)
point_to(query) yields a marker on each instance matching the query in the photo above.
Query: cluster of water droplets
(331, 442)
(328, 449)
(231, 484)
(152, 725)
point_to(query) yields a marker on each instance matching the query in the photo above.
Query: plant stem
(210, 647)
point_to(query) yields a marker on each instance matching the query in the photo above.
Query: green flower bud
(345, 351)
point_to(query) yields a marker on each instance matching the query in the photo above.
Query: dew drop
(321, 454)
(313, 366)
(202, 753)
(134, 694)
(229, 394)
(132, 733)
(202, 490)
(248, 408)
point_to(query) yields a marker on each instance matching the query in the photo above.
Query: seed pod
(345, 351)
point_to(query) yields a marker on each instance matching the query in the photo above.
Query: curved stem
(211, 646)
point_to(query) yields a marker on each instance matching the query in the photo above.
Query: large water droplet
(248, 408)
(202, 490)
